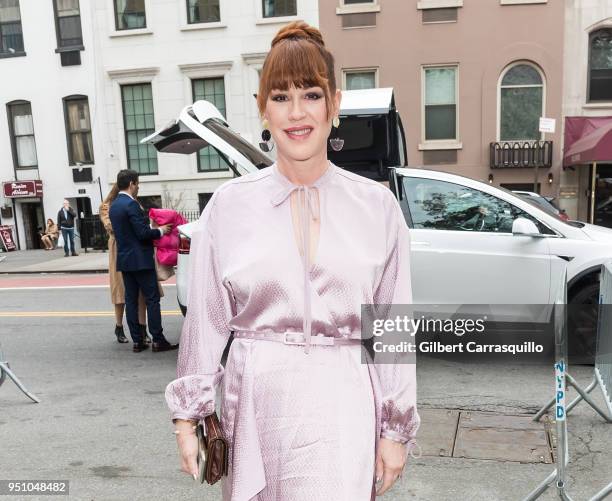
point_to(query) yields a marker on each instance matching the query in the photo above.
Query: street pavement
(102, 422)
(42, 261)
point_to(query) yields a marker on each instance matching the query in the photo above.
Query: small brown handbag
(213, 450)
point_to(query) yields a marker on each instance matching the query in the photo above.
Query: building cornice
(438, 4)
(254, 57)
(196, 68)
(149, 71)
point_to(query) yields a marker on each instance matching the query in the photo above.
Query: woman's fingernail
(195, 477)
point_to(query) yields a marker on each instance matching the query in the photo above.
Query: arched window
(521, 98)
(600, 65)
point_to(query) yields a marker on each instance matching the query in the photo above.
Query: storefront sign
(23, 189)
(6, 238)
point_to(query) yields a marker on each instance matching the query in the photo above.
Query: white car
(471, 243)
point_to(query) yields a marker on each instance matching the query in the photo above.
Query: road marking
(63, 287)
(46, 314)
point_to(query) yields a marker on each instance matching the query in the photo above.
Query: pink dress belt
(297, 338)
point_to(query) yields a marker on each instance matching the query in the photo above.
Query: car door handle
(420, 244)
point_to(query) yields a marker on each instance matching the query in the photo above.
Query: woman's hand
(390, 461)
(187, 441)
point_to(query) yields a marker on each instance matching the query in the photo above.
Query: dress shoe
(120, 334)
(143, 333)
(74, 254)
(66, 255)
(138, 347)
(164, 346)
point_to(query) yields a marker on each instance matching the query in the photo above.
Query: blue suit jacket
(133, 234)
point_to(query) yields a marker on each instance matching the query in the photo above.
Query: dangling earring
(335, 142)
(266, 145)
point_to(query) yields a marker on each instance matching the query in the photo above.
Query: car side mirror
(525, 227)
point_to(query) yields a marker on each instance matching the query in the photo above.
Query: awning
(587, 140)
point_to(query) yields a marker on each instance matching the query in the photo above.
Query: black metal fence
(92, 232)
(520, 154)
(94, 236)
(190, 215)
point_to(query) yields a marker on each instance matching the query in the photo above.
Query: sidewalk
(41, 261)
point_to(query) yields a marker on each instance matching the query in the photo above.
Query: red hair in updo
(298, 57)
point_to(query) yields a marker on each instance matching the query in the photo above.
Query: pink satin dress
(303, 421)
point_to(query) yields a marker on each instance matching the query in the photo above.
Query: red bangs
(296, 62)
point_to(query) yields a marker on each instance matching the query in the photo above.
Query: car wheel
(183, 309)
(582, 317)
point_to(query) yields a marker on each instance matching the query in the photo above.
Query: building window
(21, 127)
(441, 103)
(360, 80)
(78, 130)
(521, 103)
(600, 65)
(130, 14)
(446, 15)
(68, 23)
(138, 123)
(203, 199)
(278, 8)
(212, 90)
(150, 202)
(11, 36)
(203, 11)
(351, 2)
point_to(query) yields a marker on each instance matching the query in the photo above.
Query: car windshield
(548, 210)
(540, 202)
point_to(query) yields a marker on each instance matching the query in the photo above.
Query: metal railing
(5, 371)
(562, 378)
(508, 154)
(190, 215)
(603, 356)
(602, 379)
(92, 233)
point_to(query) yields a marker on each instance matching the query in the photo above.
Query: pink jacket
(167, 246)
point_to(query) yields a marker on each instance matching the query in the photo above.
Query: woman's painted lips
(299, 133)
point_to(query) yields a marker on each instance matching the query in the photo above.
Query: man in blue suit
(136, 262)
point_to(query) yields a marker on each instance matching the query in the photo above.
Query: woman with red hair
(284, 258)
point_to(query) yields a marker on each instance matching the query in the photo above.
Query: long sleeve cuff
(193, 397)
(397, 425)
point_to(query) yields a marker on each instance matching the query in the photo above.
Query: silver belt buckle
(292, 338)
(323, 339)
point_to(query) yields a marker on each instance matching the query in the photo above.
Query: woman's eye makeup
(283, 97)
